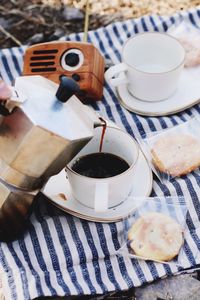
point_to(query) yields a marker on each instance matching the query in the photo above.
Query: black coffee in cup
(100, 165)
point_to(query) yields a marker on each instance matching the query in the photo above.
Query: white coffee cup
(103, 193)
(151, 66)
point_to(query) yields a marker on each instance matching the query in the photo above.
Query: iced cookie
(176, 154)
(192, 50)
(156, 236)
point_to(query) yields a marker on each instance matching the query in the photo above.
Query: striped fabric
(63, 255)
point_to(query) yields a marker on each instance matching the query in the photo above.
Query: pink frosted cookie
(192, 50)
(176, 154)
(156, 236)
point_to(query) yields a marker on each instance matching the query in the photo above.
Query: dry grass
(130, 8)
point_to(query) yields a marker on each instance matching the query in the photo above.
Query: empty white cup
(151, 66)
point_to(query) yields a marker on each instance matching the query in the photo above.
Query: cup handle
(101, 197)
(115, 71)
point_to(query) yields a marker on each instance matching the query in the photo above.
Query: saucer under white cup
(59, 193)
(186, 95)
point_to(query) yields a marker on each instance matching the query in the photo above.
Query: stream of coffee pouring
(85, 38)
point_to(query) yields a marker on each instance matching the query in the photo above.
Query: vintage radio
(79, 61)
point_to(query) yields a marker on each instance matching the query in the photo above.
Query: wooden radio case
(79, 61)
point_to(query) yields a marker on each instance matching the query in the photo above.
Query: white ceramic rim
(109, 178)
(152, 73)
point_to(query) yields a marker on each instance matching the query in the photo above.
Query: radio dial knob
(72, 59)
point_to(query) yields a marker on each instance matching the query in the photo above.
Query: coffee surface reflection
(100, 165)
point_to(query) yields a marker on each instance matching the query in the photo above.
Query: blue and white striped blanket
(63, 255)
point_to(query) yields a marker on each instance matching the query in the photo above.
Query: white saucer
(142, 186)
(186, 95)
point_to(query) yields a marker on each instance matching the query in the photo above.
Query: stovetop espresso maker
(39, 134)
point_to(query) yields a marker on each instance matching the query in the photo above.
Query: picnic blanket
(63, 255)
